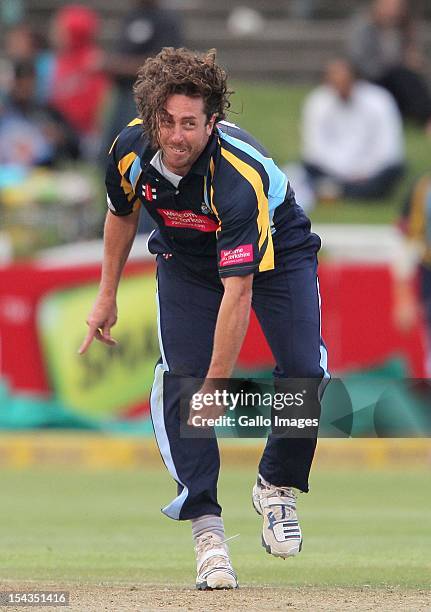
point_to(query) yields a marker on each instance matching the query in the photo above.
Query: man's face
(184, 131)
(340, 77)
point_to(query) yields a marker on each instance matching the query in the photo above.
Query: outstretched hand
(102, 317)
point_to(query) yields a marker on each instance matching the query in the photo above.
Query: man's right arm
(119, 235)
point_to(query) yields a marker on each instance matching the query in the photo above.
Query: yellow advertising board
(105, 381)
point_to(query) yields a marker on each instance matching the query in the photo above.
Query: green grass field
(272, 113)
(361, 528)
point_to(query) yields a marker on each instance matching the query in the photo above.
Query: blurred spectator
(79, 86)
(32, 134)
(145, 30)
(414, 261)
(244, 21)
(383, 48)
(352, 136)
(22, 44)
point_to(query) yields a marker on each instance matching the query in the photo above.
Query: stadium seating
(283, 48)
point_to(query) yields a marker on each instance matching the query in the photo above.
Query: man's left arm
(231, 326)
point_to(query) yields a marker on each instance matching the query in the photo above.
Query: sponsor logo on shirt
(187, 219)
(240, 255)
(149, 192)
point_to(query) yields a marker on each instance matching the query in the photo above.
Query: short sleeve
(121, 198)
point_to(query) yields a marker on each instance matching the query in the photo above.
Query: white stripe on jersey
(110, 204)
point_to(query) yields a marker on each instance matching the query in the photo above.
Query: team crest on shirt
(149, 192)
(205, 209)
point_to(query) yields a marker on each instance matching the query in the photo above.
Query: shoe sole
(267, 547)
(203, 586)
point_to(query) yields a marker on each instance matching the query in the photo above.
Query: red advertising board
(357, 321)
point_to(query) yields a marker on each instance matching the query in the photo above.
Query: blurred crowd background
(337, 91)
(360, 70)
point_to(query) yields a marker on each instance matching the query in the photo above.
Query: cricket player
(230, 237)
(413, 262)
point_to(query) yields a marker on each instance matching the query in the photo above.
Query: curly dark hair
(179, 71)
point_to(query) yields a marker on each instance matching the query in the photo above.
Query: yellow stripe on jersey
(132, 123)
(136, 121)
(125, 162)
(113, 144)
(137, 204)
(263, 226)
(123, 165)
(214, 209)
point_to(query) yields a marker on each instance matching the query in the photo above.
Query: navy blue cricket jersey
(233, 214)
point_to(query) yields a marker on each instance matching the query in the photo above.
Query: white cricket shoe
(281, 533)
(214, 569)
